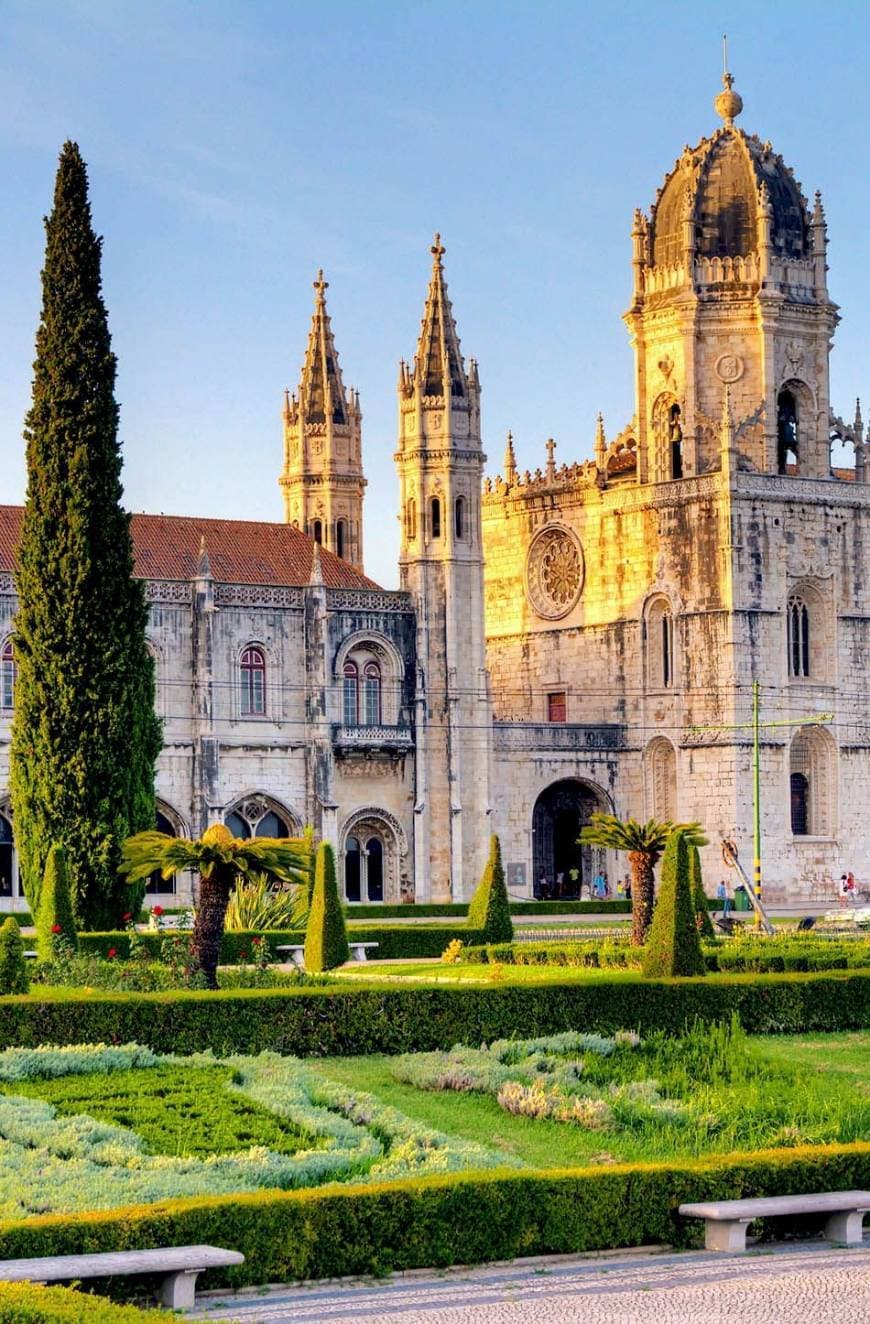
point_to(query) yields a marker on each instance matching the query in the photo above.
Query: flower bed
(69, 1123)
(738, 955)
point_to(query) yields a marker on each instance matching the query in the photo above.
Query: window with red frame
(557, 706)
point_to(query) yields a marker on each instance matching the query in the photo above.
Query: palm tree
(220, 859)
(644, 844)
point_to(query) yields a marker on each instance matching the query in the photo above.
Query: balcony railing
(372, 737)
(519, 736)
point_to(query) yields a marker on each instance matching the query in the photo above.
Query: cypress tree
(55, 917)
(13, 963)
(325, 935)
(84, 735)
(673, 946)
(699, 896)
(489, 909)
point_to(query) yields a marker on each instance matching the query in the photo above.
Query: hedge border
(395, 941)
(345, 1020)
(462, 1219)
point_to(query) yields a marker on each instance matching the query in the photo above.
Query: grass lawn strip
(759, 1093)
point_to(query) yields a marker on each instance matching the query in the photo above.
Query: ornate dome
(717, 185)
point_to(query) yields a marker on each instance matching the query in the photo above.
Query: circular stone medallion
(554, 572)
(729, 367)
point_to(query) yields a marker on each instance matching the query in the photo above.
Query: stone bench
(296, 955)
(726, 1221)
(179, 1266)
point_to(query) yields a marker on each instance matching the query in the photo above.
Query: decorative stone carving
(344, 599)
(729, 367)
(168, 590)
(554, 572)
(256, 595)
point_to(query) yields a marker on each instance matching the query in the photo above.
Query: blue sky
(235, 147)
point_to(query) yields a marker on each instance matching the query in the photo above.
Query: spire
(321, 393)
(510, 461)
(600, 443)
(438, 359)
(728, 103)
(316, 576)
(203, 565)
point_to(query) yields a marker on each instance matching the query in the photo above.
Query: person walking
(723, 898)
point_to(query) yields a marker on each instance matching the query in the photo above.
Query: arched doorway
(559, 865)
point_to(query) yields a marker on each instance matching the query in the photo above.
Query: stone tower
(730, 289)
(440, 464)
(322, 480)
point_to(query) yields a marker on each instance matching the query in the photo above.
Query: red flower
(127, 917)
(156, 910)
(55, 928)
(255, 942)
(113, 951)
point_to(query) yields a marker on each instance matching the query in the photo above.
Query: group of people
(599, 889)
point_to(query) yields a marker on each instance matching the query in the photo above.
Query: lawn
(96, 1127)
(441, 972)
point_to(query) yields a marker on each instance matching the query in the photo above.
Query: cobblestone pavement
(788, 1286)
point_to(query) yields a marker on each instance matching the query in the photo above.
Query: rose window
(554, 572)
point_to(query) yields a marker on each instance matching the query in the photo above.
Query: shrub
(55, 926)
(258, 904)
(700, 900)
(343, 1019)
(489, 909)
(457, 1219)
(673, 946)
(13, 965)
(325, 936)
(27, 1303)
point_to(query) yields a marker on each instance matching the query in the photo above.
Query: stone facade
(584, 637)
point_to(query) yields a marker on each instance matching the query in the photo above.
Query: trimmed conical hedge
(55, 917)
(489, 909)
(673, 946)
(703, 922)
(325, 935)
(13, 963)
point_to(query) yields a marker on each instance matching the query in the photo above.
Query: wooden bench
(179, 1266)
(727, 1220)
(296, 955)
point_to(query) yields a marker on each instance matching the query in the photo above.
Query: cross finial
(321, 285)
(438, 250)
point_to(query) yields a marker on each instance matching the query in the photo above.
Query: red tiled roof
(239, 551)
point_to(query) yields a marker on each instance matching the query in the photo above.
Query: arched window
(459, 517)
(798, 623)
(253, 818)
(252, 682)
(7, 675)
(352, 870)
(675, 439)
(813, 783)
(786, 432)
(8, 881)
(317, 531)
(156, 885)
(436, 517)
(660, 646)
(372, 695)
(375, 869)
(351, 694)
(341, 538)
(411, 519)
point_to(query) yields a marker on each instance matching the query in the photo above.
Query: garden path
(782, 1286)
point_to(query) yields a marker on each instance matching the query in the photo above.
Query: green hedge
(462, 1219)
(459, 909)
(395, 941)
(345, 1019)
(772, 956)
(26, 1303)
